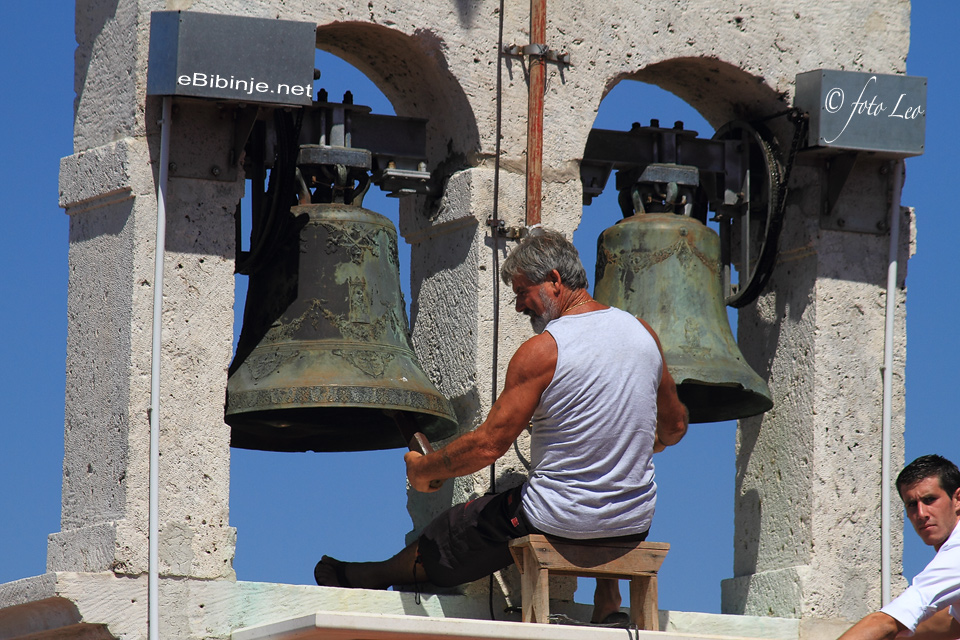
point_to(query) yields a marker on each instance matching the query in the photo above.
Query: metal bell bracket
(392, 149)
(719, 162)
(649, 178)
(336, 150)
(662, 188)
(560, 57)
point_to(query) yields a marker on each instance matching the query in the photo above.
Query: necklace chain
(581, 303)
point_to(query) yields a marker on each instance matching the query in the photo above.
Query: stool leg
(644, 612)
(534, 589)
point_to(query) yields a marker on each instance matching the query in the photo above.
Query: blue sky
(282, 504)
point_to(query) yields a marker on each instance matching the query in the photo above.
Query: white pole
(153, 583)
(897, 177)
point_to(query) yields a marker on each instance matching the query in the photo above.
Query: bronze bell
(665, 268)
(324, 361)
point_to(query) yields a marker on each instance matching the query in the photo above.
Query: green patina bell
(665, 268)
(324, 361)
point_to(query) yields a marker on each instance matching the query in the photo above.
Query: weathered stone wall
(110, 306)
(807, 534)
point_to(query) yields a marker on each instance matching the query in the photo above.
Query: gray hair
(540, 253)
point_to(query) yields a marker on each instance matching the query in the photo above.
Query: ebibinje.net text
(242, 85)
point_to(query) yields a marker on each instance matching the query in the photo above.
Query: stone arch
(412, 72)
(718, 90)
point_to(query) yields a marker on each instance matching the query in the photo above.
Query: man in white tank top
(594, 386)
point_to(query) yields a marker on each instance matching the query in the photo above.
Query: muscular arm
(672, 416)
(876, 626)
(939, 626)
(880, 626)
(528, 374)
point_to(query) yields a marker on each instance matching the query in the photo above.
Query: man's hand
(417, 480)
(658, 446)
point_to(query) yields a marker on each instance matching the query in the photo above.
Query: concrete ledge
(772, 593)
(348, 626)
(49, 618)
(27, 590)
(107, 605)
(104, 175)
(85, 549)
(714, 624)
(29, 608)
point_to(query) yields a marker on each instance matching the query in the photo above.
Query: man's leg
(473, 555)
(402, 568)
(606, 599)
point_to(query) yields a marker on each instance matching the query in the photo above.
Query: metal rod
(745, 224)
(745, 247)
(153, 562)
(538, 72)
(885, 570)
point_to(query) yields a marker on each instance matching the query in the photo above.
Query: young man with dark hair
(930, 489)
(597, 392)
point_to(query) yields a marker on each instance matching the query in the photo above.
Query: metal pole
(538, 73)
(153, 567)
(897, 177)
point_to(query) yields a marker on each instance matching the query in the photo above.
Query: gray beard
(539, 323)
(550, 312)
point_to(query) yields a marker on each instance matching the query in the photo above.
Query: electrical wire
(495, 228)
(494, 231)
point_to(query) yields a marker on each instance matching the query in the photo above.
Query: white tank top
(591, 470)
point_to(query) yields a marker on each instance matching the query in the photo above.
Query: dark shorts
(470, 541)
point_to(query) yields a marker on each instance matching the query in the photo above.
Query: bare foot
(331, 572)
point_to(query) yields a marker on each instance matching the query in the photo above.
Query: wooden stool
(538, 556)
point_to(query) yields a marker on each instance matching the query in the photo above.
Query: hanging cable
(268, 226)
(495, 229)
(494, 236)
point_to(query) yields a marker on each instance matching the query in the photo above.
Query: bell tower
(808, 471)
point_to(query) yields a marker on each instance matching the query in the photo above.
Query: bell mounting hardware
(739, 174)
(664, 264)
(324, 361)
